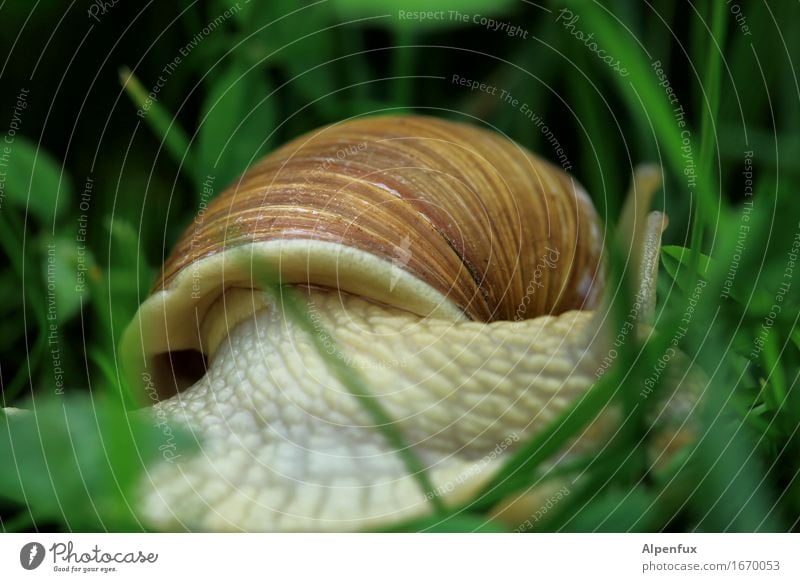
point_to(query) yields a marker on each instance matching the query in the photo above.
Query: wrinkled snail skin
(287, 447)
(458, 274)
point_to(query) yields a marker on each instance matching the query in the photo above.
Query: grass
(739, 93)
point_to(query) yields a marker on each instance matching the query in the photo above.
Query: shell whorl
(463, 209)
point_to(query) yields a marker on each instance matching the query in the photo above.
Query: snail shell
(458, 273)
(462, 220)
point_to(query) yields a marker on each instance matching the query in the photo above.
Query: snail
(459, 275)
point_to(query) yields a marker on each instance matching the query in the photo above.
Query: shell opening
(174, 372)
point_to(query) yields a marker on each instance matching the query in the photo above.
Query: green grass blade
(708, 134)
(349, 377)
(163, 124)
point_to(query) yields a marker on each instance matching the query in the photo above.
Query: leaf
(236, 122)
(34, 179)
(77, 460)
(673, 257)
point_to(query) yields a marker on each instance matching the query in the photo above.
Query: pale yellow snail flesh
(457, 273)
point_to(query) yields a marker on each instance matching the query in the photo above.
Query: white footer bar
(401, 557)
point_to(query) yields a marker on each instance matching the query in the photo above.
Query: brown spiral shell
(500, 232)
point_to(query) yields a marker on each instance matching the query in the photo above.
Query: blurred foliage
(116, 117)
(89, 453)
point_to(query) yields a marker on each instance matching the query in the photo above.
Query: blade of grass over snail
(284, 297)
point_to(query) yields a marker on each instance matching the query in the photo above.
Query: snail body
(457, 273)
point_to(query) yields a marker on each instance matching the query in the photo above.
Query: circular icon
(31, 555)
